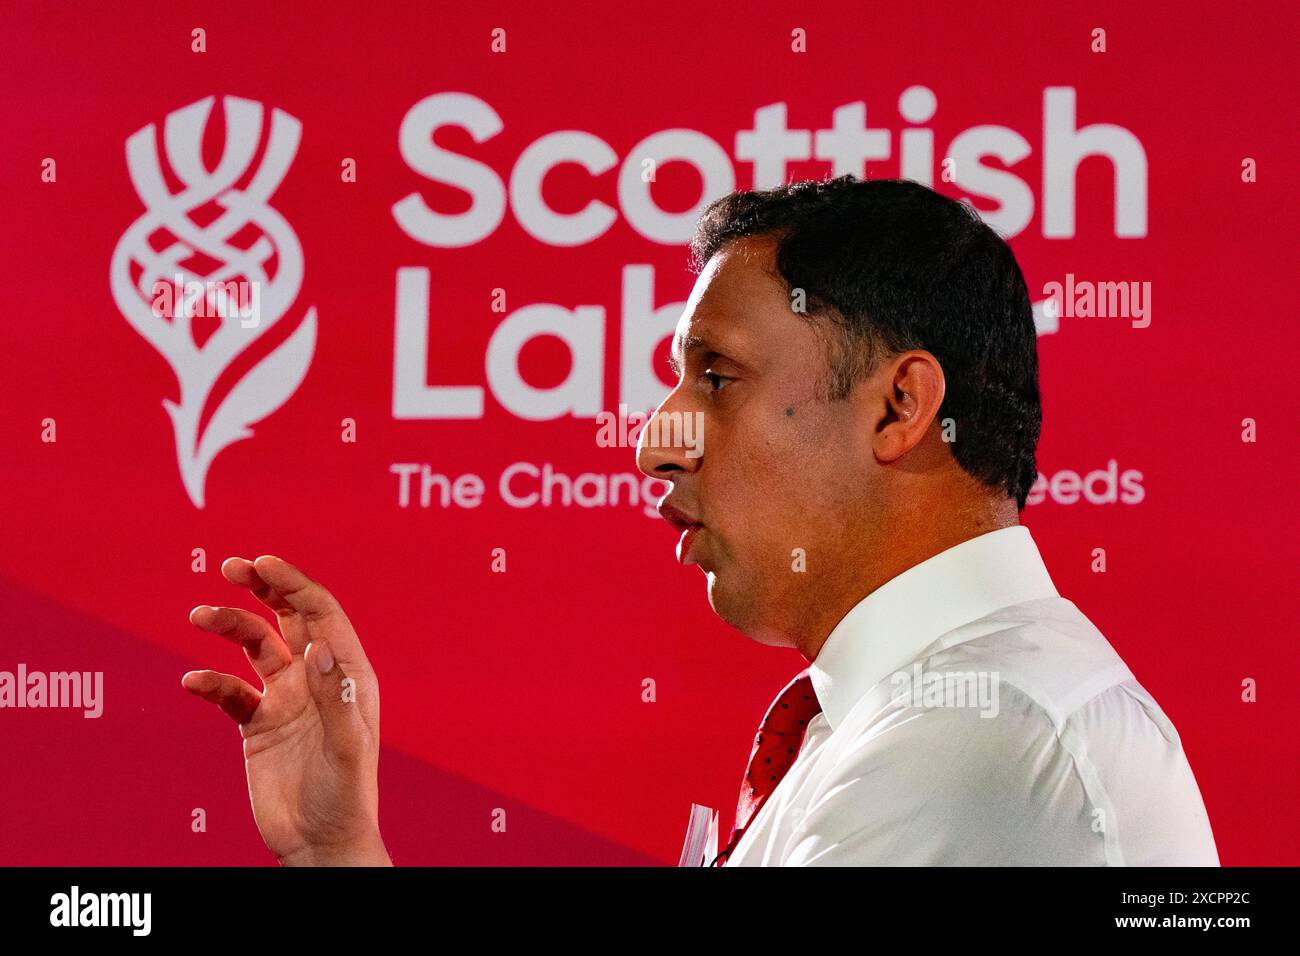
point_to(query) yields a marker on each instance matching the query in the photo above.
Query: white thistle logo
(209, 241)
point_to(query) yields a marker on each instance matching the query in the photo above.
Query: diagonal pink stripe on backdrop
(120, 789)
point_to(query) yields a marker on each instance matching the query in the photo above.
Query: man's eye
(716, 380)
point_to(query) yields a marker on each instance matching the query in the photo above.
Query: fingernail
(324, 660)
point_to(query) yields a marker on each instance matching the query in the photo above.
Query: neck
(905, 545)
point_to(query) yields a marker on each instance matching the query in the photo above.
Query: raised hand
(311, 734)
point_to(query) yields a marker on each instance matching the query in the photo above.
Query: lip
(683, 522)
(684, 544)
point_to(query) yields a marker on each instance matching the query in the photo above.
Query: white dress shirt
(972, 716)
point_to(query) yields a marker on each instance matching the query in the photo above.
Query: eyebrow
(690, 343)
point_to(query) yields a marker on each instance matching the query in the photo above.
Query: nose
(671, 443)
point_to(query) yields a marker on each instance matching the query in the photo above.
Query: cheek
(760, 483)
(783, 448)
(797, 479)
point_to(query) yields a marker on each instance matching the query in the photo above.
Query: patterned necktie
(776, 745)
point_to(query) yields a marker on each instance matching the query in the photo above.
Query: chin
(720, 599)
(735, 607)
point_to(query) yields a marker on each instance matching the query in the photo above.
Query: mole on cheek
(789, 411)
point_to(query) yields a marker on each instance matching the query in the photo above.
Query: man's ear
(911, 388)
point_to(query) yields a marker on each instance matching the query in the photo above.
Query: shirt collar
(890, 626)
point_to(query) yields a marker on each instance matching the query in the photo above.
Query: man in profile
(861, 356)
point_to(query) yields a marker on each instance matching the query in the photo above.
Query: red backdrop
(524, 690)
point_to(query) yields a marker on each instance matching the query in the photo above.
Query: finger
(317, 608)
(265, 648)
(240, 571)
(227, 691)
(339, 702)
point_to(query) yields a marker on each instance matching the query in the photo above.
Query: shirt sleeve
(954, 786)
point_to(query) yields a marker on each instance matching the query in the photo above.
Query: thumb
(336, 695)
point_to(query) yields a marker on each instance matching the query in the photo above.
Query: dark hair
(896, 266)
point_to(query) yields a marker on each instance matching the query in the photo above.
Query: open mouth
(688, 527)
(676, 517)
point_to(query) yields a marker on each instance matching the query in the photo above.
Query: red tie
(776, 745)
